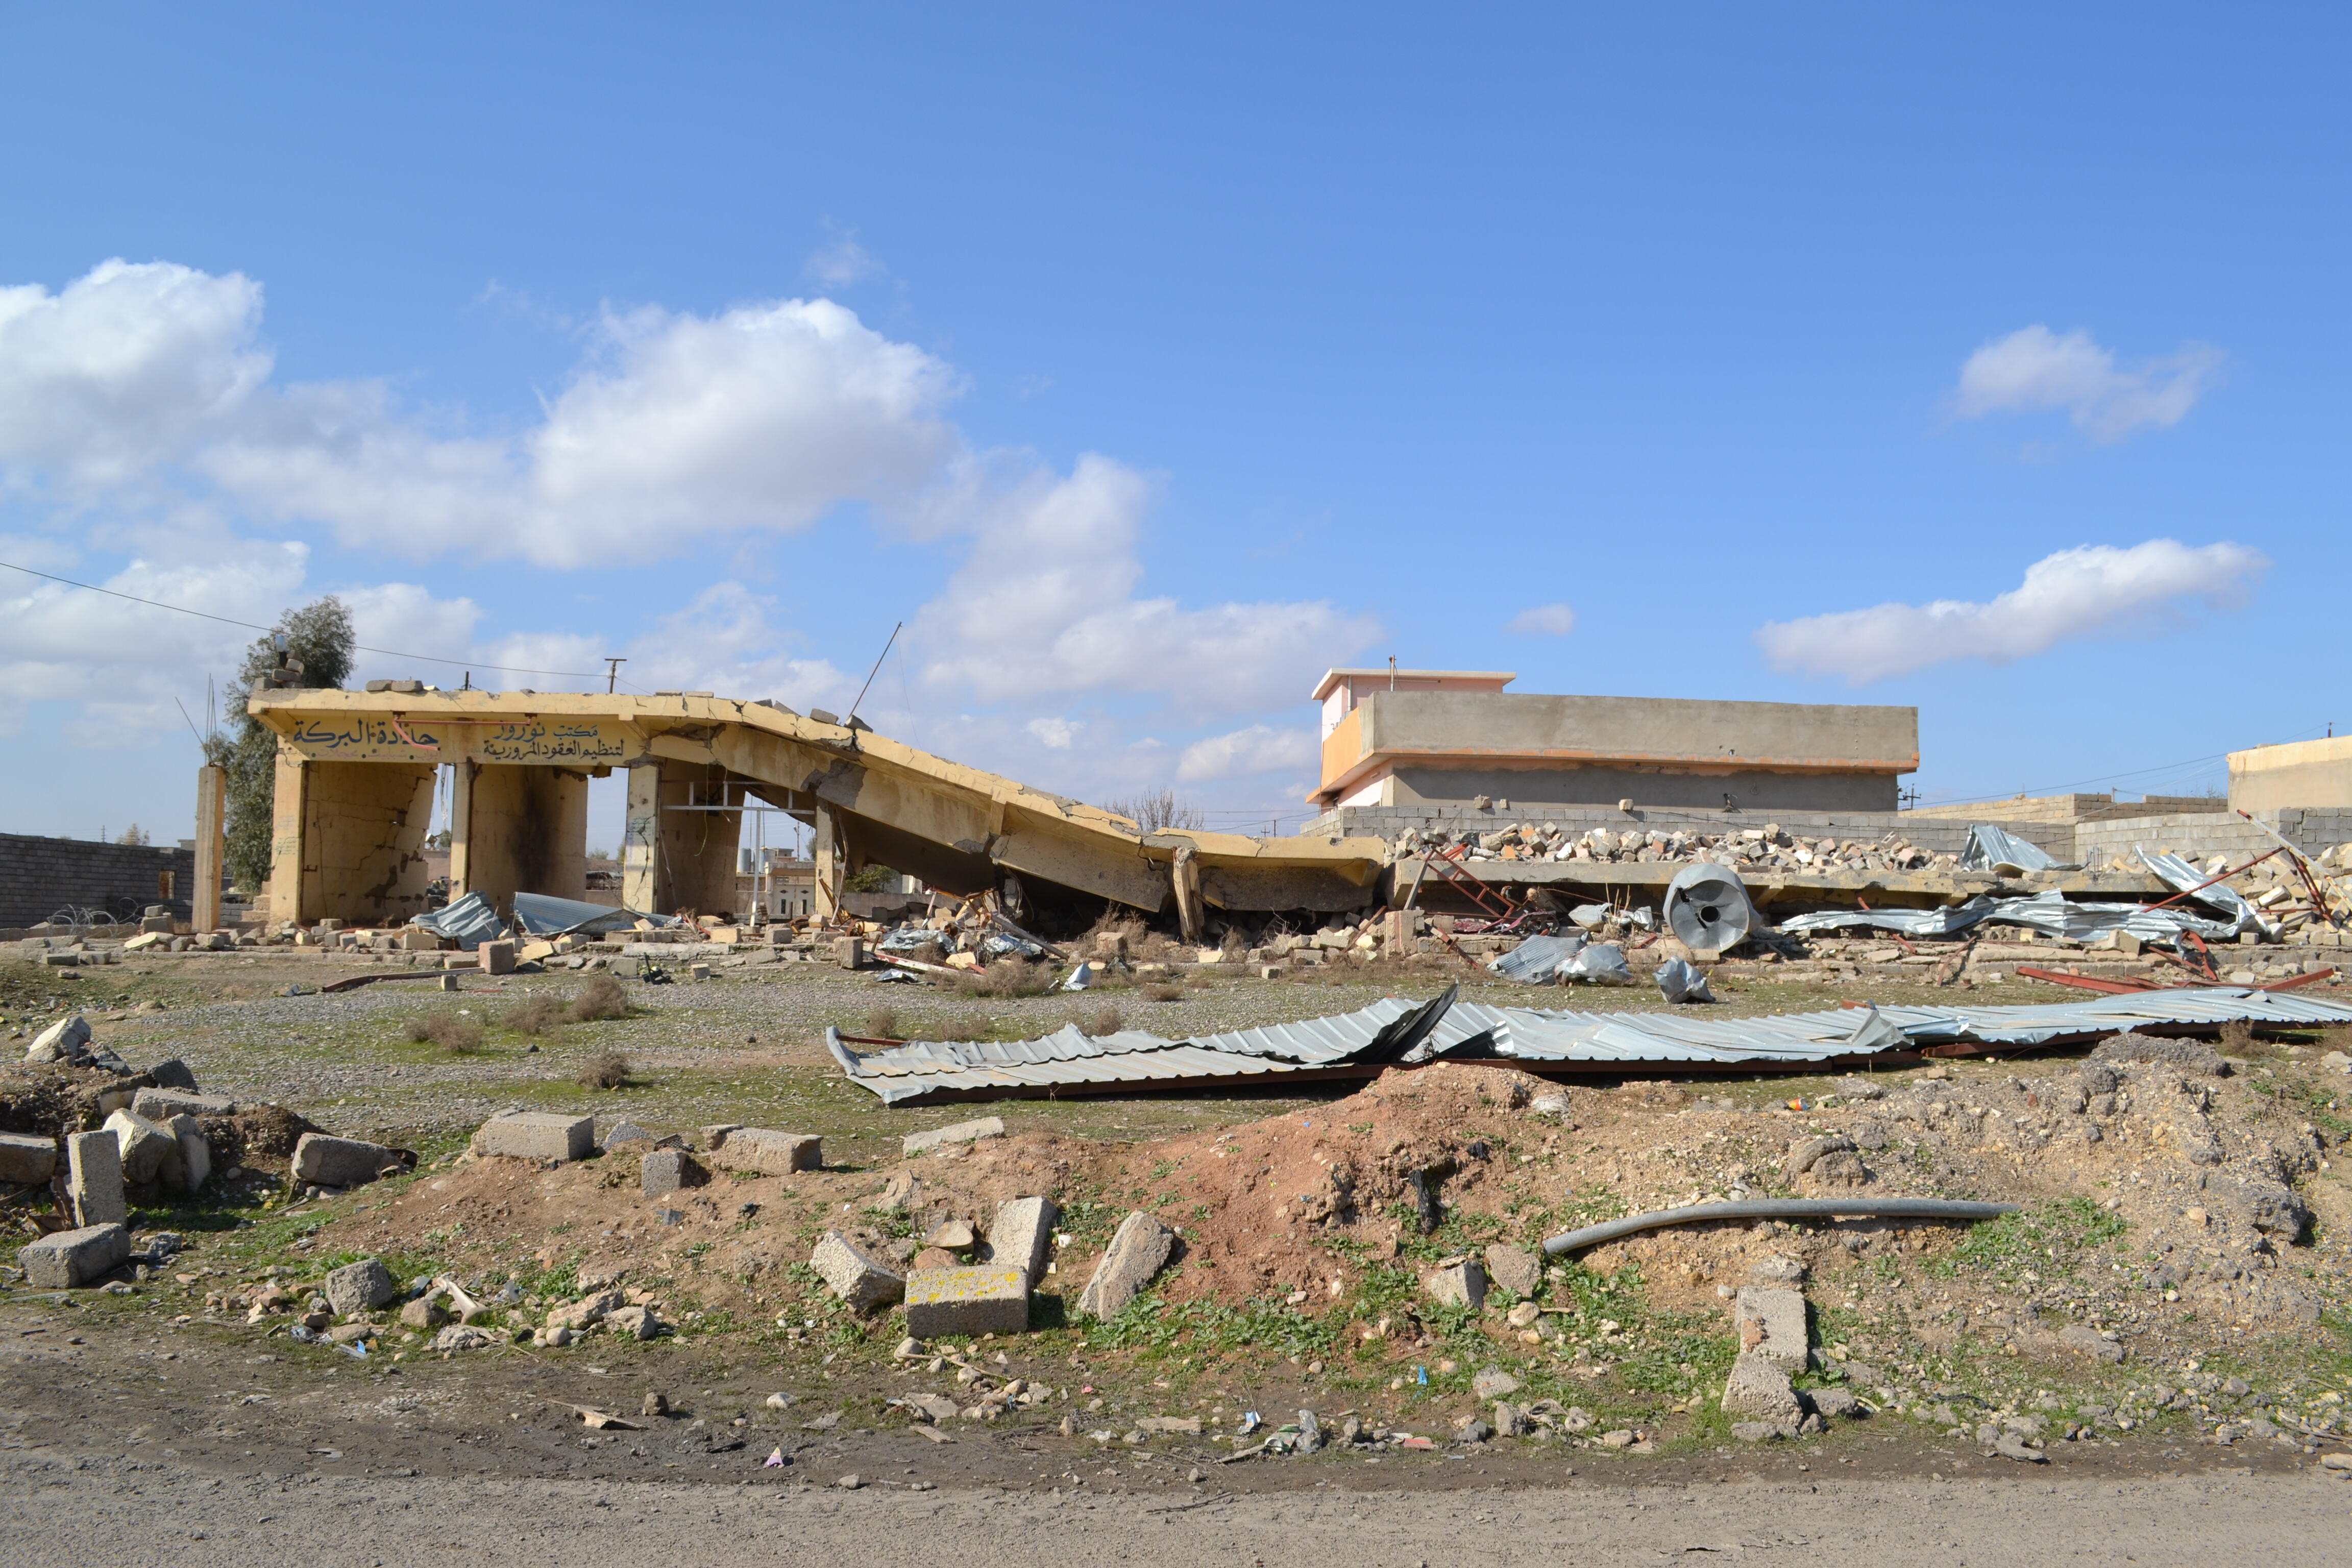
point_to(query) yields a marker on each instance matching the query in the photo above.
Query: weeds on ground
(606, 1069)
(2049, 1237)
(453, 1032)
(1163, 994)
(535, 1015)
(1101, 1020)
(1006, 977)
(882, 1024)
(601, 997)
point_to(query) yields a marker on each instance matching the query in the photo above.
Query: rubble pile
(1769, 848)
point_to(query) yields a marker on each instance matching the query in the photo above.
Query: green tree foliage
(319, 637)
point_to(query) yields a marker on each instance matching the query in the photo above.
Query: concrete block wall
(2198, 834)
(1937, 835)
(39, 877)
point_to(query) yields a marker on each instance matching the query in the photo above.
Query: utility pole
(613, 673)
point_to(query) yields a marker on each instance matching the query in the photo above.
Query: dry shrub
(2237, 1036)
(1163, 994)
(1007, 977)
(602, 997)
(606, 1069)
(457, 1035)
(882, 1024)
(1100, 1020)
(538, 1015)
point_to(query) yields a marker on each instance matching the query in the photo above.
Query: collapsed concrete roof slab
(344, 843)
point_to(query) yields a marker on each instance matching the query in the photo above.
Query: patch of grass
(535, 1015)
(882, 1024)
(2048, 1238)
(453, 1032)
(602, 997)
(606, 1069)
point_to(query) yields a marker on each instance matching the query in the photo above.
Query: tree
(134, 834)
(319, 638)
(1156, 810)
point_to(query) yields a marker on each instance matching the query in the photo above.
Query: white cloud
(123, 662)
(127, 366)
(2035, 370)
(842, 262)
(2074, 594)
(1260, 749)
(1044, 603)
(1053, 734)
(1543, 620)
(676, 428)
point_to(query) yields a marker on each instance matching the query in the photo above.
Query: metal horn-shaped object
(1706, 907)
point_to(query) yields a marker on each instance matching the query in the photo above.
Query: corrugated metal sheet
(1394, 1029)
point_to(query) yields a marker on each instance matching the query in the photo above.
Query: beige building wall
(2306, 773)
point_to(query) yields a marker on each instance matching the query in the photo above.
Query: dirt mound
(256, 1135)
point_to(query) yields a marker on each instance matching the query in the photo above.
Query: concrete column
(828, 853)
(212, 792)
(641, 841)
(287, 819)
(461, 816)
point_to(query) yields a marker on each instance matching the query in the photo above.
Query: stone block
(1771, 1320)
(161, 1105)
(1137, 1251)
(1462, 1284)
(66, 1040)
(173, 1073)
(1758, 1388)
(537, 1135)
(961, 1132)
(667, 1171)
(497, 957)
(1515, 1269)
(772, 1153)
(69, 1260)
(1023, 1234)
(147, 938)
(991, 1299)
(849, 951)
(27, 1160)
(94, 1178)
(195, 1152)
(146, 1148)
(361, 1287)
(339, 1162)
(415, 939)
(855, 1275)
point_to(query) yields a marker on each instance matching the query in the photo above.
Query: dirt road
(67, 1511)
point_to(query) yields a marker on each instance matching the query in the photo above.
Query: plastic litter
(1681, 981)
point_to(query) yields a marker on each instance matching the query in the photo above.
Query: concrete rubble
(1139, 1250)
(537, 1135)
(340, 1161)
(939, 1138)
(72, 1259)
(859, 1277)
(768, 1152)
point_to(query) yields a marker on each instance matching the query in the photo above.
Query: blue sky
(1148, 364)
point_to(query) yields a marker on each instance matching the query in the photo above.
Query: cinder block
(27, 1160)
(772, 1153)
(992, 1298)
(665, 1170)
(497, 957)
(1771, 1320)
(339, 1162)
(849, 951)
(537, 1135)
(69, 1260)
(94, 1178)
(1023, 1234)
(961, 1132)
(855, 1275)
(161, 1105)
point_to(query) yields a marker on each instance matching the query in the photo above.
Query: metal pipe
(1777, 1208)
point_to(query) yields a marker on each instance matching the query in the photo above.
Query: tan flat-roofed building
(1413, 737)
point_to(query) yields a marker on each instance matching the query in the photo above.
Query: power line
(227, 621)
